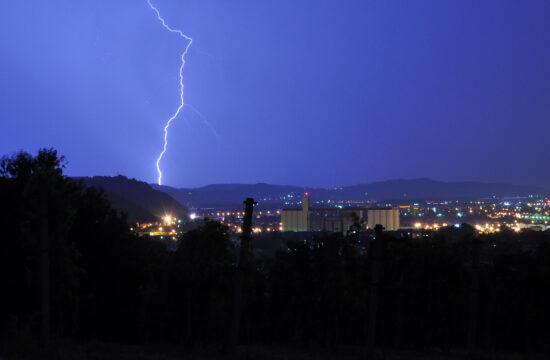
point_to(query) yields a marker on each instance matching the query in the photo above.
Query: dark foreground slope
(417, 189)
(136, 198)
(438, 293)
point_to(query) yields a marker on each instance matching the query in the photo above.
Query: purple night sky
(316, 93)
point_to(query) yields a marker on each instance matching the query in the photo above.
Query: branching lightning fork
(189, 42)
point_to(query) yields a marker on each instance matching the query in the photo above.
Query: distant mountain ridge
(417, 189)
(136, 198)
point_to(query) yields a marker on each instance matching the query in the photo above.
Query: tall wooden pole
(45, 267)
(376, 249)
(241, 275)
(474, 298)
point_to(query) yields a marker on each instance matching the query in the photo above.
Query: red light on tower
(306, 193)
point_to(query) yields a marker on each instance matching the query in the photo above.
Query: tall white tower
(306, 206)
(306, 203)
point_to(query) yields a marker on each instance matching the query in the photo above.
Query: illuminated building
(297, 219)
(387, 217)
(337, 219)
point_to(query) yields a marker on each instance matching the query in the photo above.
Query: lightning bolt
(189, 42)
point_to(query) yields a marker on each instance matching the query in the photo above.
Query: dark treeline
(108, 284)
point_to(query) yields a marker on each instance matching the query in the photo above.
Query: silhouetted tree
(403, 291)
(37, 214)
